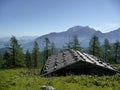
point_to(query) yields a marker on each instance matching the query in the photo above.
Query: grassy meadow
(20, 79)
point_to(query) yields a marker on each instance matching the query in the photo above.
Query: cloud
(106, 27)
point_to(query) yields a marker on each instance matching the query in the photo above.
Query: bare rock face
(44, 87)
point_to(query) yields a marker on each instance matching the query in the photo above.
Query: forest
(21, 70)
(14, 57)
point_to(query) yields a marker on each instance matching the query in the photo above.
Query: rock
(44, 87)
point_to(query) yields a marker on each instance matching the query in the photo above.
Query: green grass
(19, 79)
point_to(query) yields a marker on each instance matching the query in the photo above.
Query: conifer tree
(94, 47)
(73, 43)
(52, 51)
(76, 44)
(36, 55)
(46, 51)
(69, 45)
(107, 51)
(6, 58)
(28, 59)
(116, 53)
(1, 61)
(16, 54)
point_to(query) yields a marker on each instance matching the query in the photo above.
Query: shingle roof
(67, 58)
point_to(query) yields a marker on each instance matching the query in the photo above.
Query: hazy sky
(38, 17)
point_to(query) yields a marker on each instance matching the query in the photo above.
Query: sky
(39, 17)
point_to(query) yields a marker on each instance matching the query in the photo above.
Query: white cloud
(106, 27)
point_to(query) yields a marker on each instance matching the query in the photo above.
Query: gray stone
(44, 87)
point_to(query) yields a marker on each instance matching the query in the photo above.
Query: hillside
(20, 79)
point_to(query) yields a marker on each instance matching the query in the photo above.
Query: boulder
(44, 87)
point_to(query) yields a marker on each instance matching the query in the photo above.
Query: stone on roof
(76, 62)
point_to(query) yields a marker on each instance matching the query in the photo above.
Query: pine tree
(36, 55)
(73, 43)
(68, 46)
(94, 47)
(6, 58)
(46, 53)
(16, 54)
(107, 51)
(28, 60)
(116, 53)
(76, 44)
(1, 61)
(52, 51)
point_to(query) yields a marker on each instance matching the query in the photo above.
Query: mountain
(60, 39)
(84, 34)
(4, 42)
(113, 35)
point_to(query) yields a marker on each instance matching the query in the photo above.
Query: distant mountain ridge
(84, 34)
(22, 40)
(60, 39)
